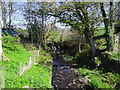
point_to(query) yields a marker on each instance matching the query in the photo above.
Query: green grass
(12, 68)
(36, 76)
(54, 36)
(43, 57)
(100, 80)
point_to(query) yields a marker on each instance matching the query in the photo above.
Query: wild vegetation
(90, 39)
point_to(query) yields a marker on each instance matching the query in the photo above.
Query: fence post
(3, 77)
(34, 57)
(30, 62)
(38, 53)
(20, 68)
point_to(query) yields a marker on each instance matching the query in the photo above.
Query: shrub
(43, 57)
(100, 80)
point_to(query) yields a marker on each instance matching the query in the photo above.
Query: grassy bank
(36, 76)
(99, 79)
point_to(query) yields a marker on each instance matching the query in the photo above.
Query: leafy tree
(77, 15)
(36, 16)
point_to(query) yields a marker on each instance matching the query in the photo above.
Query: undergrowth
(100, 80)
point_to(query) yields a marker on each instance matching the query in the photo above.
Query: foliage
(43, 57)
(112, 55)
(100, 80)
(54, 36)
(100, 44)
(80, 16)
(36, 15)
(22, 32)
(29, 47)
(10, 43)
(99, 31)
(16, 54)
(84, 59)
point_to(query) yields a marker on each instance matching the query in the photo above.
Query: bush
(10, 43)
(43, 57)
(112, 55)
(97, 79)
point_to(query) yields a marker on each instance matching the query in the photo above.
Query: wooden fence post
(30, 62)
(38, 52)
(3, 77)
(20, 68)
(23, 69)
(34, 57)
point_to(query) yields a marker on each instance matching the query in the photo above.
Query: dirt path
(65, 76)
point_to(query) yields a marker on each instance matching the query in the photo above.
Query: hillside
(36, 76)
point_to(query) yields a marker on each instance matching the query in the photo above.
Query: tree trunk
(3, 9)
(91, 42)
(109, 26)
(92, 45)
(117, 27)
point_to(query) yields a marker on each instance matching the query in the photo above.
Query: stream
(65, 74)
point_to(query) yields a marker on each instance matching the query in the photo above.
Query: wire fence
(32, 60)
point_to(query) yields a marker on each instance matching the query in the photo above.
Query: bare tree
(4, 13)
(10, 6)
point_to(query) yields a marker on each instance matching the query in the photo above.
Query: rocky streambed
(65, 74)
